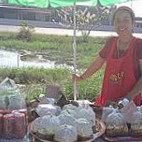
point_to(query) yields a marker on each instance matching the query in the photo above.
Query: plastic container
(20, 125)
(1, 124)
(8, 124)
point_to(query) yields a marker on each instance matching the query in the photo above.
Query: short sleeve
(106, 49)
(139, 48)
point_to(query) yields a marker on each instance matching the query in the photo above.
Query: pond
(15, 60)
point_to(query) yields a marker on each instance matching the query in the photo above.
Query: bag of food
(116, 125)
(11, 97)
(3, 104)
(14, 102)
(136, 123)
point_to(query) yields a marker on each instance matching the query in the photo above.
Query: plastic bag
(14, 102)
(11, 97)
(46, 109)
(3, 104)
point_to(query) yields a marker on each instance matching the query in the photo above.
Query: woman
(123, 58)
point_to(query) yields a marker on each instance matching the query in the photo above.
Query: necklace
(122, 47)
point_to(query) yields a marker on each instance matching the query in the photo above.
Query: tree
(87, 19)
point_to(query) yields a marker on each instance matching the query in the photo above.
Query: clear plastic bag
(11, 97)
(136, 124)
(3, 104)
(14, 102)
(116, 125)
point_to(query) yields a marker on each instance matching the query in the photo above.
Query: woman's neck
(123, 43)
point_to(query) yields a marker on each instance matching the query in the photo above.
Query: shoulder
(106, 49)
(138, 48)
(138, 44)
(139, 41)
(110, 40)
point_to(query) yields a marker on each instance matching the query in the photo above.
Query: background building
(44, 18)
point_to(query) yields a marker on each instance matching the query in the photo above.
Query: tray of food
(98, 131)
(72, 123)
(122, 138)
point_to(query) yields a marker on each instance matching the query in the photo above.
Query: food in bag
(14, 102)
(45, 109)
(87, 113)
(66, 133)
(10, 95)
(136, 124)
(44, 127)
(3, 104)
(84, 129)
(116, 125)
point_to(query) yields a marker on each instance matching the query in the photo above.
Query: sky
(136, 5)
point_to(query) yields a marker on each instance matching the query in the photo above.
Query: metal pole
(74, 50)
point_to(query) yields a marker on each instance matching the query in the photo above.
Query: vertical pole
(131, 4)
(18, 58)
(74, 50)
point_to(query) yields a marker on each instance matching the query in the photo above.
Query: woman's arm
(137, 87)
(95, 66)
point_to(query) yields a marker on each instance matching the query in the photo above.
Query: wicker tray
(100, 125)
(123, 138)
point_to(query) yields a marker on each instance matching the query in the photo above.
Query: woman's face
(123, 23)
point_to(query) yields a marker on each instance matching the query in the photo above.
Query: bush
(26, 31)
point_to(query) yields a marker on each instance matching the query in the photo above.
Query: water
(12, 59)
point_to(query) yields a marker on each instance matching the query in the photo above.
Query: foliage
(25, 31)
(32, 91)
(61, 52)
(36, 79)
(90, 18)
(36, 76)
(87, 18)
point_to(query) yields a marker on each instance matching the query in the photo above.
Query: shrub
(26, 31)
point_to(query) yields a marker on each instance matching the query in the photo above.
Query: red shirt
(137, 54)
(119, 77)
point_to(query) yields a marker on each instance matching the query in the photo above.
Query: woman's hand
(76, 78)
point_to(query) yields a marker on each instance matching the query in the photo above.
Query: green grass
(59, 49)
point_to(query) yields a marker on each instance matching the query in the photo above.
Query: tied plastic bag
(47, 109)
(11, 97)
(3, 104)
(15, 101)
(128, 111)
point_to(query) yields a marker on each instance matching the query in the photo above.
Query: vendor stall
(101, 124)
(54, 118)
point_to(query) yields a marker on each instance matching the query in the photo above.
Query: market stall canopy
(62, 3)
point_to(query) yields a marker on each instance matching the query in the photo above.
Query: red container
(8, 123)
(5, 111)
(23, 111)
(20, 127)
(1, 124)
